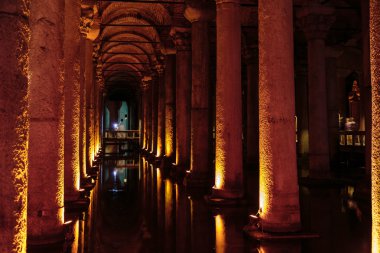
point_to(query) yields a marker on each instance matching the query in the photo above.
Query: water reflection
(141, 209)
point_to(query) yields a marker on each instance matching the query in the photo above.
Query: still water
(141, 209)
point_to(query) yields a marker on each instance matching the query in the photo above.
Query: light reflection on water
(166, 218)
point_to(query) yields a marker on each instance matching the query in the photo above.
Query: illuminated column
(228, 153)
(161, 112)
(181, 37)
(315, 22)
(147, 86)
(251, 61)
(200, 126)
(89, 84)
(374, 26)
(366, 92)
(169, 106)
(279, 200)
(14, 44)
(154, 111)
(82, 111)
(72, 99)
(46, 137)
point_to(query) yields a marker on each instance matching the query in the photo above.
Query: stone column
(89, 86)
(279, 198)
(161, 112)
(199, 172)
(181, 37)
(170, 106)
(147, 84)
(82, 112)
(366, 92)
(374, 31)
(14, 45)
(228, 137)
(46, 138)
(251, 61)
(315, 22)
(332, 102)
(154, 112)
(72, 99)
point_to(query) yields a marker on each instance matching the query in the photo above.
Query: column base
(48, 243)
(77, 206)
(261, 229)
(178, 171)
(197, 180)
(223, 197)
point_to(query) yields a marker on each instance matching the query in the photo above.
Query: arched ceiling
(130, 40)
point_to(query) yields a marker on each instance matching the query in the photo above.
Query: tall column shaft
(46, 138)
(200, 125)
(72, 99)
(161, 114)
(14, 44)
(228, 152)
(82, 111)
(169, 106)
(251, 56)
(89, 79)
(319, 161)
(374, 31)
(149, 117)
(154, 112)
(315, 22)
(183, 96)
(279, 199)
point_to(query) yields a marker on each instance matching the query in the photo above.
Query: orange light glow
(220, 236)
(375, 156)
(219, 177)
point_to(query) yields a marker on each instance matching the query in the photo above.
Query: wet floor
(140, 209)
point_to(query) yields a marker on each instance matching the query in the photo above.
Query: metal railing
(122, 135)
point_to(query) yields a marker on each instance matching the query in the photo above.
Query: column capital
(89, 22)
(316, 21)
(146, 81)
(181, 37)
(160, 68)
(195, 13)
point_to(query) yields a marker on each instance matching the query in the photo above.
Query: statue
(354, 105)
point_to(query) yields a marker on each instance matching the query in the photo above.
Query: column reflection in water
(201, 225)
(75, 244)
(292, 246)
(153, 199)
(182, 220)
(160, 208)
(169, 234)
(228, 231)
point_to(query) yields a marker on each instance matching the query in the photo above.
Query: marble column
(279, 198)
(147, 86)
(182, 38)
(72, 99)
(228, 137)
(154, 113)
(89, 86)
(46, 137)
(366, 87)
(251, 61)
(170, 106)
(374, 31)
(160, 112)
(14, 45)
(200, 163)
(332, 102)
(315, 22)
(82, 111)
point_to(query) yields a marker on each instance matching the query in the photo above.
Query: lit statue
(354, 103)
